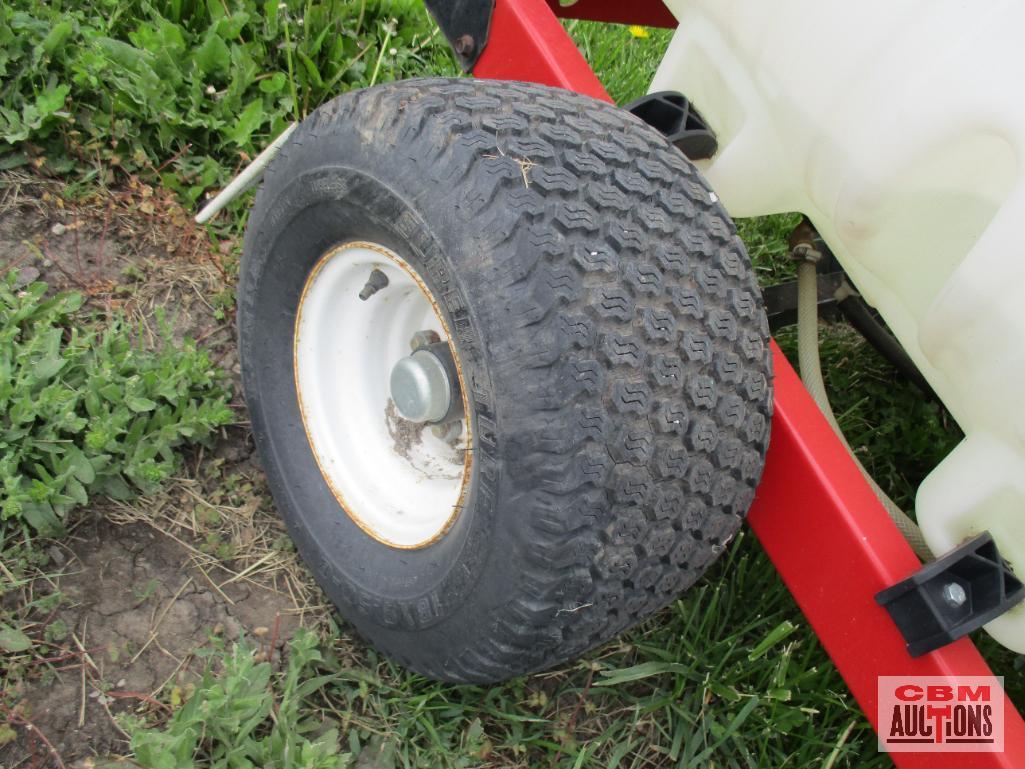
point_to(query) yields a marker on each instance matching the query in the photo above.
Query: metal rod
(249, 175)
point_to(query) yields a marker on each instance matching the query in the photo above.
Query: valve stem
(375, 283)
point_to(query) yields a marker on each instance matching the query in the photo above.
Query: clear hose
(811, 375)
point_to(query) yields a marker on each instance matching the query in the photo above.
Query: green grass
(729, 675)
(711, 679)
(624, 62)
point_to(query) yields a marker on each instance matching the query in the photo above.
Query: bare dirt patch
(134, 252)
(137, 612)
(141, 590)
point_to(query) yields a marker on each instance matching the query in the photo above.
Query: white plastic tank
(898, 127)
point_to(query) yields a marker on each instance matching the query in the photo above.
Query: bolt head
(464, 45)
(447, 432)
(423, 339)
(954, 594)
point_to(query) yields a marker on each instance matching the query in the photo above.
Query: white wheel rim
(396, 480)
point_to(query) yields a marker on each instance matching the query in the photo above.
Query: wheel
(507, 367)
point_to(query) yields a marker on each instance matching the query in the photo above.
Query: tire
(614, 349)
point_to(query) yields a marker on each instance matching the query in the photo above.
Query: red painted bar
(528, 43)
(647, 13)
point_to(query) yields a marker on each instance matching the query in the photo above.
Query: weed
(56, 631)
(86, 411)
(185, 88)
(246, 717)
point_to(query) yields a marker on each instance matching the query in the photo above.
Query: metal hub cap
(365, 400)
(420, 387)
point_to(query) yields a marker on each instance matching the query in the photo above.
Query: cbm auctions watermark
(941, 714)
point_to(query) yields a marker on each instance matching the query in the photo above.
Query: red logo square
(940, 714)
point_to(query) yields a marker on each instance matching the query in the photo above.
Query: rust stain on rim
(468, 452)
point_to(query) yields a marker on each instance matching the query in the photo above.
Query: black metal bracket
(837, 300)
(466, 24)
(781, 300)
(952, 596)
(675, 118)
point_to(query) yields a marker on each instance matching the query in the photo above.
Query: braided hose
(811, 375)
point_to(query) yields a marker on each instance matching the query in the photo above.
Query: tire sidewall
(302, 218)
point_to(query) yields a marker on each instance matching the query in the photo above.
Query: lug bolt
(375, 283)
(464, 45)
(447, 432)
(954, 594)
(423, 339)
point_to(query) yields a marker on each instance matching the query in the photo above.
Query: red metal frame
(827, 534)
(652, 13)
(528, 43)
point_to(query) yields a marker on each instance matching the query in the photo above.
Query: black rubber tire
(608, 320)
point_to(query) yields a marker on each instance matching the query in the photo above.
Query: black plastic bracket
(466, 24)
(952, 596)
(675, 118)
